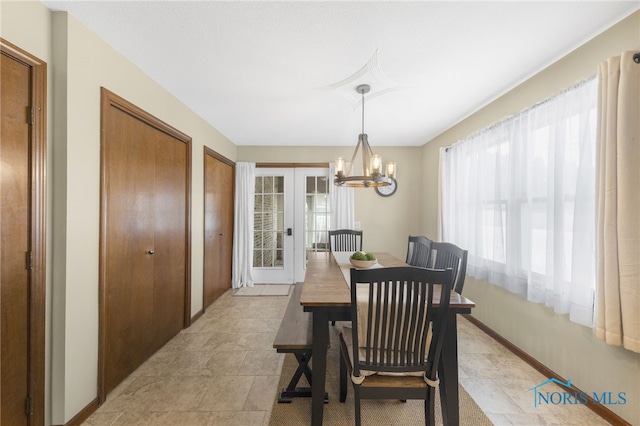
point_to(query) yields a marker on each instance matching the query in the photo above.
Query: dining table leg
(320, 344)
(448, 373)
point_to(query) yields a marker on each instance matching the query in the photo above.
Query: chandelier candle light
(371, 163)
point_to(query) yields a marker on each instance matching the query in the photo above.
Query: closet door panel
(169, 236)
(219, 204)
(130, 228)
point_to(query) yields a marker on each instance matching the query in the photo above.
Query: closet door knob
(150, 251)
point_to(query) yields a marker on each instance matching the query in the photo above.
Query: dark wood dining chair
(393, 348)
(345, 240)
(448, 255)
(418, 251)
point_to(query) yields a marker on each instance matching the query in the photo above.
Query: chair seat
(400, 382)
(348, 341)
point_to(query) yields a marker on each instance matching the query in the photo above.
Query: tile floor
(223, 371)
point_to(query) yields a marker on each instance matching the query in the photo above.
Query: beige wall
(385, 221)
(570, 350)
(79, 64)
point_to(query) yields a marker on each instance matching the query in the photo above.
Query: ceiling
(285, 73)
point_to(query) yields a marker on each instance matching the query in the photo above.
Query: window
(519, 196)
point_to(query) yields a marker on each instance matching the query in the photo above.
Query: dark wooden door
(22, 246)
(15, 240)
(218, 224)
(145, 280)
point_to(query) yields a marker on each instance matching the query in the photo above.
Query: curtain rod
(534, 106)
(292, 165)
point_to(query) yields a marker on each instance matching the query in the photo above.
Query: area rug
(374, 412)
(264, 290)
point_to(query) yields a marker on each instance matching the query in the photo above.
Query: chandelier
(371, 163)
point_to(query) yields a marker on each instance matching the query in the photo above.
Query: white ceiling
(284, 73)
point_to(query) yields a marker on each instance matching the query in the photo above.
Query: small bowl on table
(362, 264)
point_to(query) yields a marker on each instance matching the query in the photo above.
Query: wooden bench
(295, 336)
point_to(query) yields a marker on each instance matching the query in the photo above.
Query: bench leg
(292, 391)
(343, 378)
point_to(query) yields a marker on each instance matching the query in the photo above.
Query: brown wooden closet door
(227, 180)
(170, 240)
(14, 215)
(218, 250)
(145, 208)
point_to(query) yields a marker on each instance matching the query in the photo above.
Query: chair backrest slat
(418, 251)
(345, 240)
(447, 255)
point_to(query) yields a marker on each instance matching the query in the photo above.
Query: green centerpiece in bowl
(361, 259)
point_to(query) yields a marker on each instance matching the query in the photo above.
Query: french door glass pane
(317, 211)
(268, 222)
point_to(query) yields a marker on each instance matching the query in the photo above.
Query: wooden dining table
(326, 295)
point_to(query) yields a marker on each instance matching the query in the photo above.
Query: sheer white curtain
(243, 225)
(342, 204)
(519, 196)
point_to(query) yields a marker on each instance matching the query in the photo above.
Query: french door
(312, 215)
(291, 218)
(273, 226)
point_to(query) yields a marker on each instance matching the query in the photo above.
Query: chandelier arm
(366, 154)
(353, 158)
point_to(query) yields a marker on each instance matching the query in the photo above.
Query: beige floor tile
(514, 368)
(519, 390)
(490, 397)
(479, 366)
(157, 364)
(253, 325)
(187, 342)
(499, 419)
(262, 392)
(190, 364)
(226, 363)
(190, 418)
(183, 394)
(580, 416)
(256, 341)
(203, 324)
(140, 418)
(141, 394)
(260, 363)
(534, 419)
(221, 340)
(479, 344)
(102, 418)
(227, 393)
(243, 418)
(270, 312)
(120, 388)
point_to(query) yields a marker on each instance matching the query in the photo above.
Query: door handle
(150, 251)
(289, 231)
